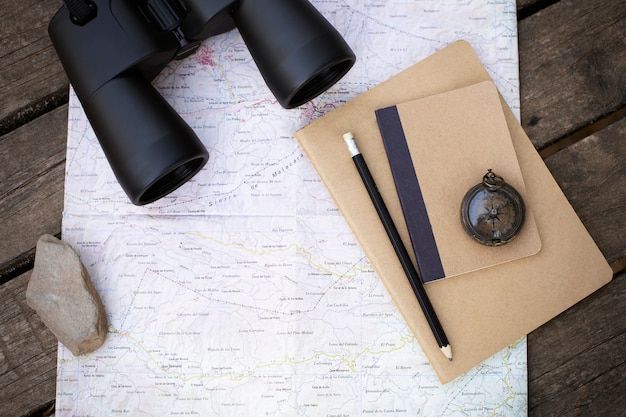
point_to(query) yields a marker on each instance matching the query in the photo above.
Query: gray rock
(61, 292)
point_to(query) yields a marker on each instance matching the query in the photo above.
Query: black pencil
(411, 273)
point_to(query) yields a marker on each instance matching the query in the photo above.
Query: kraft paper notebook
(483, 311)
(439, 147)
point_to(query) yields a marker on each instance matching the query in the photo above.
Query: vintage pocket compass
(492, 212)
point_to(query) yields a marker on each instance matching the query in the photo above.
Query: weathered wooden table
(573, 90)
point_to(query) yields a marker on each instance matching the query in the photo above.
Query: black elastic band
(410, 194)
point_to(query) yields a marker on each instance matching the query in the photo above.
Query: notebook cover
(482, 312)
(438, 147)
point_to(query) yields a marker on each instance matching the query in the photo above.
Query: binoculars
(111, 50)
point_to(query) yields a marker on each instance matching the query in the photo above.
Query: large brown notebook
(483, 311)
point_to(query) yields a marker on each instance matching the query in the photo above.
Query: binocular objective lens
(171, 180)
(319, 83)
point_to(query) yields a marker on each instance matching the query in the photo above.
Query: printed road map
(244, 293)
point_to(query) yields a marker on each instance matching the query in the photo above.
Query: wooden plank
(28, 353)
(577, 361)
(31, 193)
(30, 68)
(35, 148)
(30, 212)
(592, 174)
(572, 66)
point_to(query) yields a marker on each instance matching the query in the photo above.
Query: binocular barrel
(112, 55)
(151, 150)
(110, 62)
(299, 53)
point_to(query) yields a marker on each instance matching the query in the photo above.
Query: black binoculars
(111, 50)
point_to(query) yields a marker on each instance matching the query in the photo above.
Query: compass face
(492, 215)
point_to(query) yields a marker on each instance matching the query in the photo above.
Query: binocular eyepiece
(111, 50)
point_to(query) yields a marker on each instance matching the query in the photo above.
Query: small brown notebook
(483, 311)
(438, 147)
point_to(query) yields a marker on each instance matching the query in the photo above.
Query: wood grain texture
(577, 361)
(30, 69)
(27, 353)
(572, 66)
(592, 174)
(31, 193)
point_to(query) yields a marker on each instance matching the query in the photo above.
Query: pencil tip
(447, 350)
